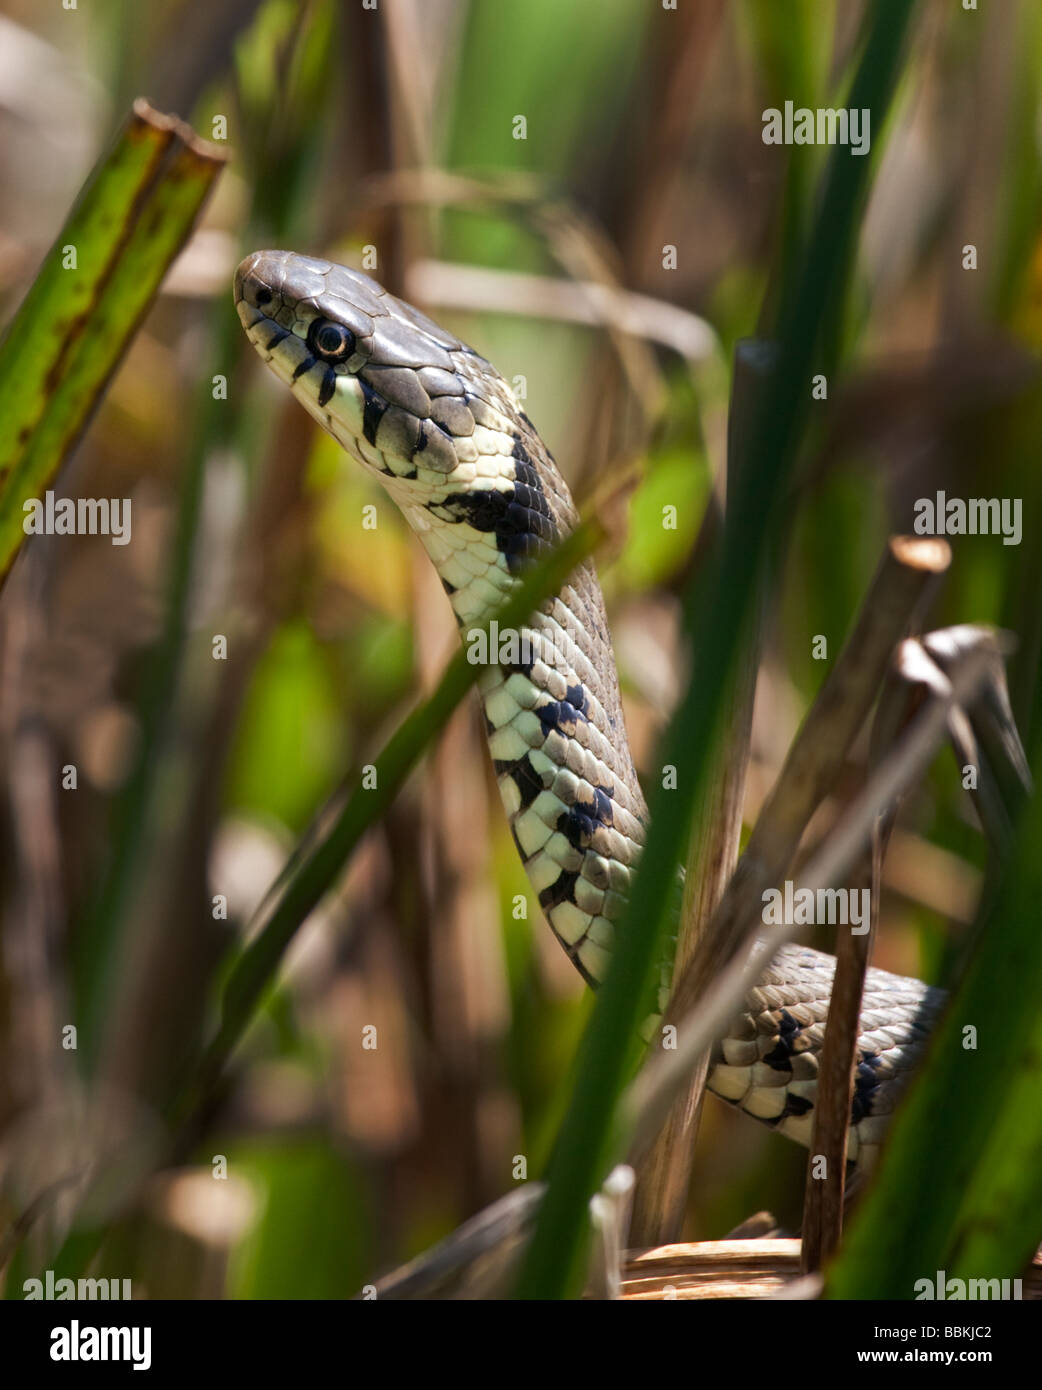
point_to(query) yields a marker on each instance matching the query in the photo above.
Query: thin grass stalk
(661, 1195)
(825, 1186)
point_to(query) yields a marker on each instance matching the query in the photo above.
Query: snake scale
(441, 429)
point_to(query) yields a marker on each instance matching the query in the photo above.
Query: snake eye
(330, 340)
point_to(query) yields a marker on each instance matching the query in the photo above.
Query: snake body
(443, 432)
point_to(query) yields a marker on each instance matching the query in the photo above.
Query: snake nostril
(252, 284)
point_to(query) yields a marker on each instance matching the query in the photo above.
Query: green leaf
(290, 736)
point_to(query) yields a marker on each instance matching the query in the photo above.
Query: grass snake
(441, 429)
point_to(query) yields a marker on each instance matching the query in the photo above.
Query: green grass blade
(60, 350)
(553, 1264)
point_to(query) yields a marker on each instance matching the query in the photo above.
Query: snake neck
(553, 713)
(567, 784)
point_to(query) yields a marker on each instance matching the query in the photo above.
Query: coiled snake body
(443, 432)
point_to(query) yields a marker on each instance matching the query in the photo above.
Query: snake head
(398, 392)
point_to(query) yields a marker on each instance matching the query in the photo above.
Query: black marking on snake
(563, 715)
(581, 822)
(374, 411)
(528, 782)
(325, 391)
(526, 475)
(794, 1106)
(520, 534)
(525, 470)
(450, 589)
(576, 697)
(866, 1084)
(602, 807)
(483, 509)
(779, 1058)
(303, 367)
(277, 337)
(560, 891)
(421, 442)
